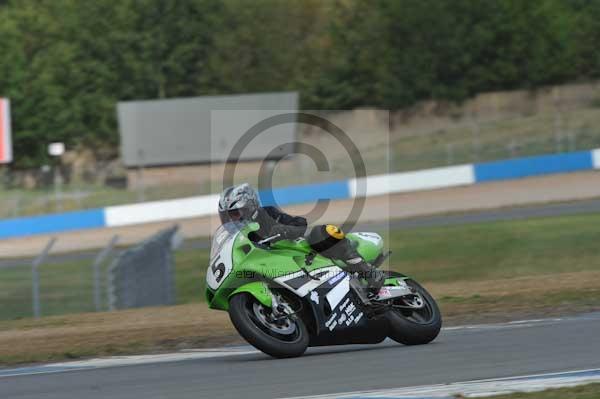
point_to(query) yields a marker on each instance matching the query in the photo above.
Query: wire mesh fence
(145, 274)
(51, 289)
(49, 285)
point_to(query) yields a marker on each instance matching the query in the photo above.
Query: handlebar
(269, 239)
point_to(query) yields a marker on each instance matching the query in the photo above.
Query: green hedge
(65, 63)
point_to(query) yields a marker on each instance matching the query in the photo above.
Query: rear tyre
(415, 326)
(279, 338)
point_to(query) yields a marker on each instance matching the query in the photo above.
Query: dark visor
(235, 215)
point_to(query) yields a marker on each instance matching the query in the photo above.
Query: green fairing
(368, 249)
(257, 289)
(253, 266)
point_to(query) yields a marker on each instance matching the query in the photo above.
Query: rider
(241, 202)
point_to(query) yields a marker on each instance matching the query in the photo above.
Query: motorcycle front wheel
(411, 325)
(280, 338)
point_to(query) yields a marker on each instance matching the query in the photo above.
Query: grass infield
(590, 391)
(481, 272)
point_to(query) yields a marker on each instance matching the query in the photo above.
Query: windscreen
(223, 234)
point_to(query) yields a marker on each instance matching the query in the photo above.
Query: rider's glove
(282, 230)
(288, 232)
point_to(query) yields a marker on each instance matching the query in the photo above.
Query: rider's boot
(330, 241)
(375, 278)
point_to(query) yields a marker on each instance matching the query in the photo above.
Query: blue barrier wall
(533, 166)
(483, 172)
(19, 227)
(305, 193)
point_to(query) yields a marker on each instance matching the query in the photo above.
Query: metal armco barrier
(145, 274)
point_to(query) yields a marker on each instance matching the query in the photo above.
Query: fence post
(512, 148)
(475, 139)
(110, 285)
(572, 141)
(100, 258)
(35, 277)
(17, 208)
(558, 134)
(140, 184)
(449, 154)
(58, 194)
(391, 159)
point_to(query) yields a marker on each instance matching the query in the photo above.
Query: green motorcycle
(282, 297)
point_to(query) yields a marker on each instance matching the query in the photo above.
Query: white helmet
(238, 203)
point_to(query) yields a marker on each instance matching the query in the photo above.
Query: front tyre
(277, 338)
(415, 326)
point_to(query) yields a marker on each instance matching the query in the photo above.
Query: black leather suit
(273, 221)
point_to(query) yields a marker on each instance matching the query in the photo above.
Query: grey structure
(181, 131)
(145, 274)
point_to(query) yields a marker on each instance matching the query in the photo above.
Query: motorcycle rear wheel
(288, 338)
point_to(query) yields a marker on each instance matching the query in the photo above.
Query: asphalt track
(515, 213)
(459, 354)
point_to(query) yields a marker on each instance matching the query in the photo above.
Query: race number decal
(221, 265)
(218, 269)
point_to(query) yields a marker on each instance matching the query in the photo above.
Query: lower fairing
(345, 322)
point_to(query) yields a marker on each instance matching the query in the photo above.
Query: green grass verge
(466, 253)
(474, 252)
(64, 288)
(590, 391)
(501, 139)
(498, 250)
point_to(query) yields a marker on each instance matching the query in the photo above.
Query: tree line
(65, 63)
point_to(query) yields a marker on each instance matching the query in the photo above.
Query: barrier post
(100, 258)
(35, 277)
